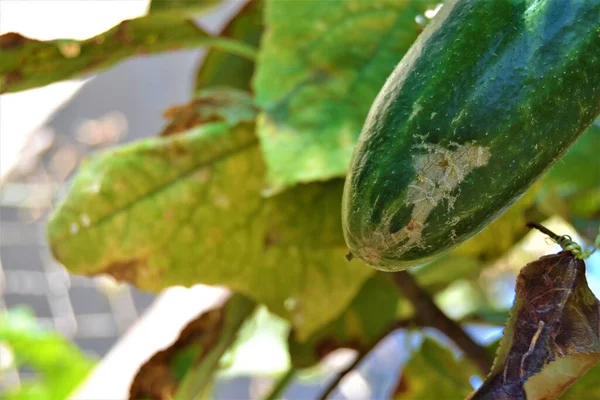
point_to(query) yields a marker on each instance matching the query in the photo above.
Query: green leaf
(27, 63)
(187, 366)
(187, 208)
(434, 371)
(571, 187)
(59, 364)
(579, 168)
(319, 70)
(370, 315)
(552, 337)
(182, 7)
(246, 27)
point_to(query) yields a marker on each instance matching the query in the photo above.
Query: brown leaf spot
(271, 239)
(402, 387)
(198, 112)
(12, 77)
(124, 270)
(123, 33)
(184, 118)
(12, 39)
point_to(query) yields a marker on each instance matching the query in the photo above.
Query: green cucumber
(490, 95)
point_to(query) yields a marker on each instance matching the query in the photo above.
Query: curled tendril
(567, 243)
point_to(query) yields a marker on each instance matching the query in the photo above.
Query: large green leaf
(319, 70)
(434, 371)
(60, 366)
(26, 63)
(187, 208)
(553, 335)
(187, 367)
(221, 68)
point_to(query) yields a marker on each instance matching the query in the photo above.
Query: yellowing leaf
(27, 63)
(434, 373)
(187, 208)
(370, 315)
(317, 77)
(586, 388)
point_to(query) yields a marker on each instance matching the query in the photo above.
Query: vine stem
(544, 230)
(401, 323)
(566, 242)
(334, 383)
(281, 384)
(427, 313)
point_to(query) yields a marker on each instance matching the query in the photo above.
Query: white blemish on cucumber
(438, 173)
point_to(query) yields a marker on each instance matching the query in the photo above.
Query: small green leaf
(27, 63)
(434, 371)
(187, 366)
(319, 70)
(59, 364)
(552, 337)
(246, 27)
(182, 7)
(187, 208)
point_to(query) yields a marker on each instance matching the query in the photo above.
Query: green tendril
(567, 243)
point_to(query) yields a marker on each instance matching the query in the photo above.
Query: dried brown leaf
(553, 335)
(197, 350)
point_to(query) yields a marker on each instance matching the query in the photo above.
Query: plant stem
(281, 384)
(544, 230)
(333, 384)
(427, 313)
(234, 47)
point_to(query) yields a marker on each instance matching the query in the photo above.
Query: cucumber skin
(486, 100)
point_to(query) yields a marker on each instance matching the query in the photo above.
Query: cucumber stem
(566, 242)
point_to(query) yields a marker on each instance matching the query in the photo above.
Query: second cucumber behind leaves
(490, 95)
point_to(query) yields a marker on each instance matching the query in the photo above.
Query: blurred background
(46, 132)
